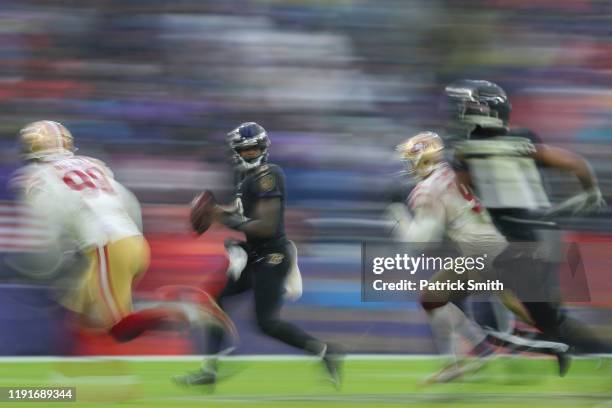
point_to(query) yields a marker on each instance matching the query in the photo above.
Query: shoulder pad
(496, 146)
(269, 181)
(261, 169)
(525, 133)
(98, 163)
(268, 169)
(25, 176)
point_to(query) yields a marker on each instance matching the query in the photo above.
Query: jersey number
(91, 178)
(469, 196)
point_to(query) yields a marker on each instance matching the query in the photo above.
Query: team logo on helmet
(421, 153)
(45, 139)
(479, 103)
(247, 136)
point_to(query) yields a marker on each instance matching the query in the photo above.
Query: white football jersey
(465, 219)
(80, 200)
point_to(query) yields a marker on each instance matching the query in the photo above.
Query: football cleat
(483, 350)
(332, 360)
(200, 377)
(481, 354)
(208, 374)
(456, 369)
(564, 360)
(199, 308)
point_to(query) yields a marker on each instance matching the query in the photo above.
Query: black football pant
(536, 283)
(556, 325)
(265, 273)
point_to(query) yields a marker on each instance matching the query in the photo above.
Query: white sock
(503, 317)
(448, 321)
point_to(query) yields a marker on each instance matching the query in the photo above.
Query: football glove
(589, 201)
(237, 259)
(400, 217)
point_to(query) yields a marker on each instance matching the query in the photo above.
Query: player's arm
(427, 224)
(269, 190)
(39, 198)
(130, 203)
(562, 159)
(591, 198)
(265, 223)
(44, 205)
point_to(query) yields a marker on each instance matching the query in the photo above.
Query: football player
(502, 165)
(86, 209)
(258, 212)
(441, 205)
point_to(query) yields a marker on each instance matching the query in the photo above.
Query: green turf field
(371, 382)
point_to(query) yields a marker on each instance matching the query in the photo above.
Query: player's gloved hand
(594, 201)
(588, 201)
(400, 218)
(397, 212)
(237, 258)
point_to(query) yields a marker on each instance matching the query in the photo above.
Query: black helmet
(247, 136)
(479, 103)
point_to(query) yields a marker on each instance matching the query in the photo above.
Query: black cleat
(565, 360)
(332, 359)
(200, 377)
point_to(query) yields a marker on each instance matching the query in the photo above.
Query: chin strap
(244, 165)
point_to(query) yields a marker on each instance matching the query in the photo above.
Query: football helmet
(248, 135)
(479, 103)
(422, 153)
(45, 140)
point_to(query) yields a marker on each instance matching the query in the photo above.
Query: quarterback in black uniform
(258, 212)
(503, 165)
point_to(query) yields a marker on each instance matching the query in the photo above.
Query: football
(202, 209)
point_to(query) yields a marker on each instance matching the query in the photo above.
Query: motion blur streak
(151, 88)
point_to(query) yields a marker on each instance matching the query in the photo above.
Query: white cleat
(455, 370)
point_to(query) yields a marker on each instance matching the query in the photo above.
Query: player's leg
(524, 276)
(554, 323)
(80, 296)
(448, 322)
(216, 334)
(269, 278)
(446, 318)
(268, 283)
(102, 309)
(118, 264)
(122, 262)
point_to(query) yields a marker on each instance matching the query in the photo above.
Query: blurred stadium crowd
(152, 87)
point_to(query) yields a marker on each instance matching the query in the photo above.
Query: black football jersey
(267, 181)
(506, 178)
